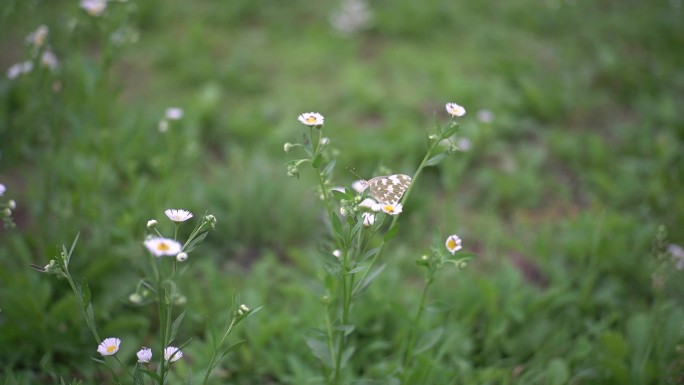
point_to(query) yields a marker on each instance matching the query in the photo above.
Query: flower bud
(287, 147)
(135, 298)
(151, 224)
(181, 257)
(12, 204)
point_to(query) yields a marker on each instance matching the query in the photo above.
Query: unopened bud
(151, 224)
(181, 257)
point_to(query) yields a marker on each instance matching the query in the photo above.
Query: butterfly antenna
(353, 171)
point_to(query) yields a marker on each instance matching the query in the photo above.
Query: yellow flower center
(311, 119)
(163, 246)
(389, 208)
(111, 348)
(451, 244)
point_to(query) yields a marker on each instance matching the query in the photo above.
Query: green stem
(212, 363)
(406, 361)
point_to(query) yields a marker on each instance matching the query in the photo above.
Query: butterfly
(388, 188)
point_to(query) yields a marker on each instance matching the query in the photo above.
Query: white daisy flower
(49, 60)
(38, 37)
(455, 110)
(359, 186)
(371, 204)
(392, 208)
(311, 119)
(144, 355)
(174, 113)
(453, 243)
(178, 215)
(2, 189)
(172, 353)
(163, 246)
(109, 346)
(368, 219)
(94, 7)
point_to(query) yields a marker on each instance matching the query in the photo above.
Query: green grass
(560, 195)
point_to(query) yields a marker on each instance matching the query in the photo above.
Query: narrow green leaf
(327, 171)
(85, 293)
(347, 329)
(346, 355)
(435, 160)
(231, 348)
(191, 245)
(188, 377)
(370, 278)
(449, 129)
(175, 326)
(73, 246)
(357, 269)
(370, 253)
(212, 333)
(337, 224)
(320, 350)
(317, 161)
(339, 195)
(428, 340)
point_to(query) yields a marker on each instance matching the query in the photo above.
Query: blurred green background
(573, 156)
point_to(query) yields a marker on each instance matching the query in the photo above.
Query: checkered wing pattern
(390, 188)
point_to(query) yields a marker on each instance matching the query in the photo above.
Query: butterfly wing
(390, 188)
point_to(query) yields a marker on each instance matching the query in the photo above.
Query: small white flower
(181, 257)
(337, 253)
(94, 7)
(455, 110)
(311, 119)
(368, 219)
(163, 246)
(151, 224)
(371, 204)
(453, 243)
(485, 116)
(464, 144)
(244, 308)
(2, 189)
(178, 215)
(49, 60)
(172, 353)
(38, 37)
(677, 253)
(144, 355)
(392, 209)
(359, 186)
(163, 125)
(174, 113)
(12, 204)
(135, 298)
(14, 71)
(109, 346)
(344, 211)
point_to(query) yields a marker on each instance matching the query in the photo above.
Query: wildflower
(243, 309)
(38, 37)
(311, 119)
(181, 257)
(163, 246)
(287, 147)
(135, 298)
(12, 204)
(172, 354)
(94, 7)
(368, 219)
(163, 125)
(178, 215)
(453, 243)
(49, 60)
(677, 253)
(485, 116)
(2, 189)
(359, 185)
(370, 204)
(455, 110)
(151, 224)
(392, 208)
(464, 144)
(144, 355)
(174, 113)
(353, 16)
(18, 69)
(337, 253)
(109, 346)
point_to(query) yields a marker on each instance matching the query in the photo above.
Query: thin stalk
(412, 333)
(212, 363)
